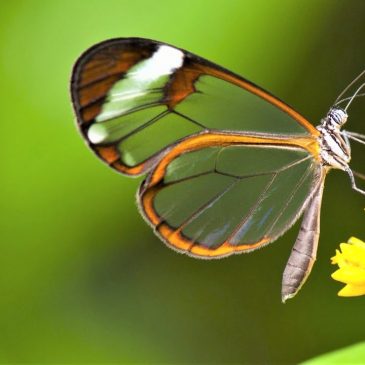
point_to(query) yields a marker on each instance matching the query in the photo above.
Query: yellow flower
(351, 262)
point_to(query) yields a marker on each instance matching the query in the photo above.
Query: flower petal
(338, 259)
(350, 275)
(355, 241)
(353, 254)
(351, 262)
(351, 290)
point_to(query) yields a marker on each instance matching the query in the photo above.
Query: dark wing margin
(135, 98)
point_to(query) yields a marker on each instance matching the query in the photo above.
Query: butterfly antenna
(348, 98)
(353, 96)
(349, 85)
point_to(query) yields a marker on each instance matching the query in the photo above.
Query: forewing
(218, 200)
(135, 98)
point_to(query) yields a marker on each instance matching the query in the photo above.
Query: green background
(82, 277)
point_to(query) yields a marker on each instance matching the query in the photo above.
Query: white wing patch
(144, 82)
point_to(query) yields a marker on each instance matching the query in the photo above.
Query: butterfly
(229, 167)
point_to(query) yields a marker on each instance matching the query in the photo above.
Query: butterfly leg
(346, 138)
(353, 182)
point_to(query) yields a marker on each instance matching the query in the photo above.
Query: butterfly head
(336, 118)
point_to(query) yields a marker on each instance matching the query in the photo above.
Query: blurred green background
(82, 277)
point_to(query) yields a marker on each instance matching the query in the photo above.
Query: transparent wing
(223, 199)
(134, 98)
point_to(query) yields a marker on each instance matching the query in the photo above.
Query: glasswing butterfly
(230, 167)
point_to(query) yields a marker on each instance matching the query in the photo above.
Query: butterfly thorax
(335, 150)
